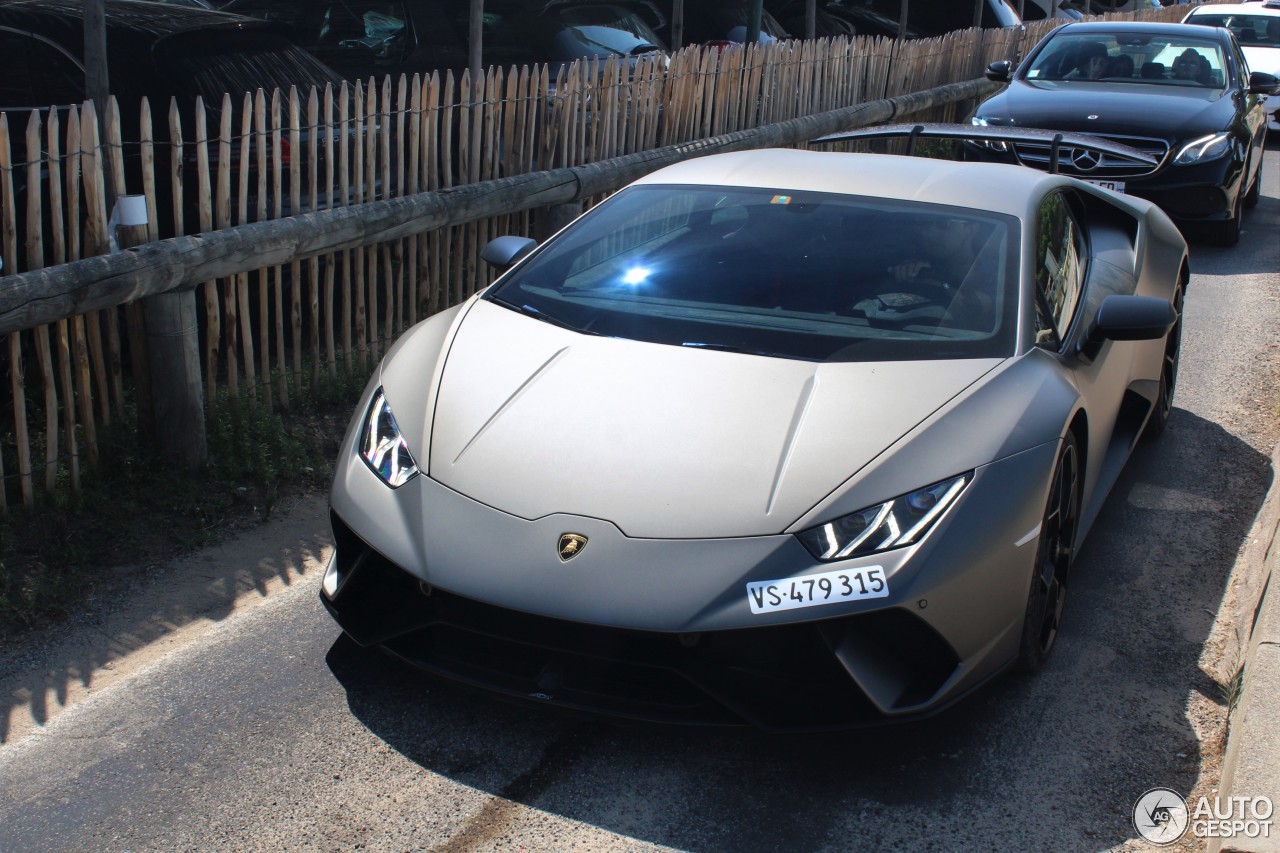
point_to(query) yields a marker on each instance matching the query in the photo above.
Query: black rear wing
(1058, 142)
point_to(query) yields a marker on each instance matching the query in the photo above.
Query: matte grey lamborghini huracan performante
(789, 438)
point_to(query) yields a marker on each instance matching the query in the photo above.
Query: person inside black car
(1190, 65)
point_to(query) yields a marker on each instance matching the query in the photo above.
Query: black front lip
(775, 678)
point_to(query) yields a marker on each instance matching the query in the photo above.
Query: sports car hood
(663, 441)
(1137, 109)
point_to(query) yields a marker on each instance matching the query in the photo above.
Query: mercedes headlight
(994, 145)
(1205, 148)
(895, 523)
(382, 447)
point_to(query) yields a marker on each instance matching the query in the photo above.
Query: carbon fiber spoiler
(1057, 141)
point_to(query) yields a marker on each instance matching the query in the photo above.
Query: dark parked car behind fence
(162, 52)
(375, 38)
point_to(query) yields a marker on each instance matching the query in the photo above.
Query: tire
(1054, 555)
(1168, 375)
(1255, 189)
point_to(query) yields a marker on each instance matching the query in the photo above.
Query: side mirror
(1128, 318)
(1000, 72)
(503, 252)
(1262, 83)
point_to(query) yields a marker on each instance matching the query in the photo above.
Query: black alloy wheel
(1168, 374)
(1054, 555)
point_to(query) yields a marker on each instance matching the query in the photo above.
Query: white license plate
(814, 590)
(1114, 186)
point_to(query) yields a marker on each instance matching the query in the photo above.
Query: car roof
(993, 187)
(1262, 9)
(1149, 28)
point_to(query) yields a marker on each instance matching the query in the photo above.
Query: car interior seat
(1153, 71)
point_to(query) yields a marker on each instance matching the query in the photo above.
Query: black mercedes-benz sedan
(1180, 93)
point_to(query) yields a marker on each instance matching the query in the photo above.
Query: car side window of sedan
(1060, 254)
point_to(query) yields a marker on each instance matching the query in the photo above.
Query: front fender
(1025, 403)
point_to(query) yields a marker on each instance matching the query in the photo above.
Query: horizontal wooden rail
(51, 294)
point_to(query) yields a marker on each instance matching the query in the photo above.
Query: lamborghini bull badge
(571, 545)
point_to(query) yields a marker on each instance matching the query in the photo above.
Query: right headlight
(1204, 148)
(382, 447)
(895, 523)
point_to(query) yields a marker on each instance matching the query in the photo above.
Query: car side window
(363, 29)
(1060, 261)
(34, 73)
(1242, 66)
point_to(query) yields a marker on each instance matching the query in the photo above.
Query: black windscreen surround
(789, 274)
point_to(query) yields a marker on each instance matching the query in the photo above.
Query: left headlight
(994, 145)
(895, 523)
(382, 447)
(1205, 148)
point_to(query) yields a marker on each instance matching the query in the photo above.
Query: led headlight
(994, 145)
(1204, 148)
(382, 447)
(902, 521)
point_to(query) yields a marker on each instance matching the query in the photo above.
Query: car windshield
(789, 274)
(1250, 30)
(1130, 58)
(601, 31)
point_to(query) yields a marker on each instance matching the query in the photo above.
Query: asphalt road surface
(215, 707)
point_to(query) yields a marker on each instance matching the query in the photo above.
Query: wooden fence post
(173, 342)
(558, 216)
(175, 377)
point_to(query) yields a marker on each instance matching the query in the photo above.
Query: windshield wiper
(731, 348)
(539, 314)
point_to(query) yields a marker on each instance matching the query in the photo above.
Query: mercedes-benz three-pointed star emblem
(1085, 160)
(570, 546)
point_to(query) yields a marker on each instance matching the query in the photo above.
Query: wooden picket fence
(270, 333)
